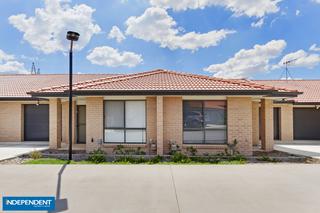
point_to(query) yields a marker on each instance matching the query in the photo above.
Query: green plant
(267, 159)
(192, 151)
(97, 156)
(178, 157)
(139, 151)
(156, 159)
(174, 147)
(35, 155)
(232, 148)
(130, 159)
(119, 150)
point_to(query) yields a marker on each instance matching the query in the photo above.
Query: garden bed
(137, 157)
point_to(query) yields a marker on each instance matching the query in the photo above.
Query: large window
(125, 122)
(204, 122)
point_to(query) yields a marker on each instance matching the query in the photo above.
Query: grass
(53, 161)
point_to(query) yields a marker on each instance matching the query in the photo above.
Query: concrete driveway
(12, 149)
(304, 149)
(253, 188)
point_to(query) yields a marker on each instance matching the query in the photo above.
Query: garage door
(306, 123)
(36, 122)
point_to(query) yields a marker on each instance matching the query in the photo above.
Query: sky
(228, 39)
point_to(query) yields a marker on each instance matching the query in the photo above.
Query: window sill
(133, 145)
(205, 146)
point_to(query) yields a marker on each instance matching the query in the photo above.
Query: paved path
(309, 150)
(12, 149)
(253, 188)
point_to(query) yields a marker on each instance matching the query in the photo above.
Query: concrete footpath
(252, 188)
(14, 149)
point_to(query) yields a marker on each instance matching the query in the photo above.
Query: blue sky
(159, 35)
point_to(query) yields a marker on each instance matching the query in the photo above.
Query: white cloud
(9, 64)
(248, 62)
(251, 8)
(301, 58)
(157, 26)
(314, 47)
(110, 57)
(258, 24)
(116, 33)
(316, 1)
(298, 12)
(46, 30)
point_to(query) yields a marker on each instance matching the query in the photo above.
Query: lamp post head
(72, 36)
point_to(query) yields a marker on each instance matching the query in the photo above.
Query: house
(297, 118)
(136, 110)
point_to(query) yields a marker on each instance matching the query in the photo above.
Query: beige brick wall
(11, 125)
(160, 125)
(151, 120)
(65, 122)
(240, 123)
(94, 122)
(286, 122)
(55, 123)
(172, 121)
(267, 136)
(255, 123)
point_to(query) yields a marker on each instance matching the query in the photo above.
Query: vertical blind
(125, 122)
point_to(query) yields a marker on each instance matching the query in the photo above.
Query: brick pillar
(151, 119)
(55, 122)
(172, 122)
(160, 125)
(267, 137)
(286, 122)
(65, 122)
(255, 123)
(94, 122)
(240, 123)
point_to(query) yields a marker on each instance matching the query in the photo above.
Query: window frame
(203, 129)
(124, 122)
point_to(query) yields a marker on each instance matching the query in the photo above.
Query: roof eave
(269, 93)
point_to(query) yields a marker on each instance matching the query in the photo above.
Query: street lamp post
(71, 36)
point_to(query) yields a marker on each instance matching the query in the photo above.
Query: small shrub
(119, 150)
(174, 147)
(232, 148)
(139, 151)
(192, 151)
(130, 159)
(156, 159)
(35, 155)
(97, 156)
(268, 159)
(178, 157)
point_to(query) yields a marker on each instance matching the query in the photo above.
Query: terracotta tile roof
(18, 85)
(163, 80)
(310, 89)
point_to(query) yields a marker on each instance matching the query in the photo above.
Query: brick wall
(172, 122)
(240, 123)
(151, 119)
(94, 122)
(267, 136)
(65, 122)
(11, 124)
(286, 122)
(55, 122)
(255, 123)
